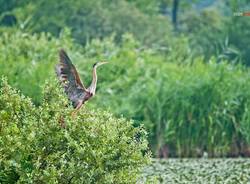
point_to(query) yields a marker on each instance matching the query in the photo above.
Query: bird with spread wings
(77, 93)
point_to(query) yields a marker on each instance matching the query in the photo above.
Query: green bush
(94, 147)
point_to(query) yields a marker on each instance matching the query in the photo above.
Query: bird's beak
(102, 63)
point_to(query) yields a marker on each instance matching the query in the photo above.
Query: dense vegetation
(171, 99)
(45, 145)
(187, 83)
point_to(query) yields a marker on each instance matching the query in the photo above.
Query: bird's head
(99, 64)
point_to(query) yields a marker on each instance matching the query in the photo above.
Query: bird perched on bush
(73, 87)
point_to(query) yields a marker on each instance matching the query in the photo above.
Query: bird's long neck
(92, 87)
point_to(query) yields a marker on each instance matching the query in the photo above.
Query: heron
(68, 76)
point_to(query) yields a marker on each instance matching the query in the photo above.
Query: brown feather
(64, 59)
(70, 79)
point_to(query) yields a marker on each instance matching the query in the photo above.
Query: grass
(226, 171)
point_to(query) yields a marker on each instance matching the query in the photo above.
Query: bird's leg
(77, 109)
(62, 122)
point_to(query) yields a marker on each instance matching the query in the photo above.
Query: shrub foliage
(95, 147)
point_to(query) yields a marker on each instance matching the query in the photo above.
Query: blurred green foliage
(212, 34)
(210, 30)
(95, 147)
(93, 19)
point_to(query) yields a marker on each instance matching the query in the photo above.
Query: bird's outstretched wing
(69, 78)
